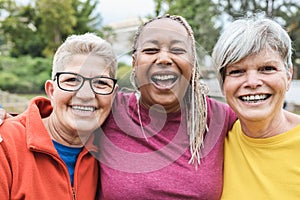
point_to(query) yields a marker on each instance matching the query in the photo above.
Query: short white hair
(249, 36)
(84, 44)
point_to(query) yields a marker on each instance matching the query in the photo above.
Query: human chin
(167, 99)
(254, 115)
(84, 127)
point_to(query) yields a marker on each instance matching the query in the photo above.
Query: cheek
(61, 97)
(229, 87)
(186, 67)
(144, 61)
(141, 76)
(105, 103)
(280, 86)
(187, 73)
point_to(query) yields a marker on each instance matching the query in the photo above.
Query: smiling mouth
(164, 80)
(254, 98)
(84, 108)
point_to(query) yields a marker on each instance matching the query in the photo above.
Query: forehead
(164, 28)
(266, 55)
(87, 64)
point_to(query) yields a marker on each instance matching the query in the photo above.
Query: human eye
(102, 82)
(70, 79)
(178, 50)
(150, 50)
(236, 72)
(267, 69)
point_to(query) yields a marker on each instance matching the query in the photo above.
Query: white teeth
(257, 97)
(164, 77)
(84, 108)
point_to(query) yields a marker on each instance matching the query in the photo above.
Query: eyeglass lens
(73, 82)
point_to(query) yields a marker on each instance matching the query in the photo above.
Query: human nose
(164, 58)
(86, 91)
(253, 79)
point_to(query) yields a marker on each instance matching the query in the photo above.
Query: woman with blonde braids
(165, 140)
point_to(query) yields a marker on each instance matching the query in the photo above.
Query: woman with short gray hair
(253, 58)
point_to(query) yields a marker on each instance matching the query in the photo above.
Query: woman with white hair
(44, 151)
(253, 58)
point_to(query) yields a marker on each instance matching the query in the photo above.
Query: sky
(118, 10)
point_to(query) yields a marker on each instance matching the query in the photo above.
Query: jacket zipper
(60, 161)
(74, 194)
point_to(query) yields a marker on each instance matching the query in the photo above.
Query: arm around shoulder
(4, 115)
(5, 171)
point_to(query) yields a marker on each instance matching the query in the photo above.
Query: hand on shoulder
(4, 115)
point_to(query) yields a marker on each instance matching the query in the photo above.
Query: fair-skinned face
(163, 64)
(255, 87)
(79, 112)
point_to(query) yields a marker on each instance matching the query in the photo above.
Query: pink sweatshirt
(157, 168)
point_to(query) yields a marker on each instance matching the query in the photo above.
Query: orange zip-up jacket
(30, 167)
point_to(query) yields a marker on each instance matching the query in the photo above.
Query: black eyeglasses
(69, 81)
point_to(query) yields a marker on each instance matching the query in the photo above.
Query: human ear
(49, 88)
(290, 77)
(133, 56)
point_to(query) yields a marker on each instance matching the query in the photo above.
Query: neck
(61, 135)
(161, 108)
(271, 126)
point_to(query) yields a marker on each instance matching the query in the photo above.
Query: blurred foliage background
(30, 34)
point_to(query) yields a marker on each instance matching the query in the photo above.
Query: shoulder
(122, 97)
(123, 100)
(292, 118)
(219, 112)
(12, 141)
(216, 106)
(12, 131)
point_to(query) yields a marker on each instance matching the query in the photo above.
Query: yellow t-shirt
(261, 169)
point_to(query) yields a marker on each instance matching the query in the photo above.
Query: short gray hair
(84, 44)
(249, 36)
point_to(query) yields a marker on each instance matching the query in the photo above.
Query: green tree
(285, 12)
(57, 18)
(294, 31)
(87, 20)
(17, 74)
(38, 28)
(200, 14)
(123, 76)
(208, 17)
(7, 6)
(19, 29)
(271, 8)
(108, 34)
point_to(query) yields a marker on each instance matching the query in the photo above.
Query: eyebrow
(177, 42)
(157, 42)
(264, 63)
(151, 41)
